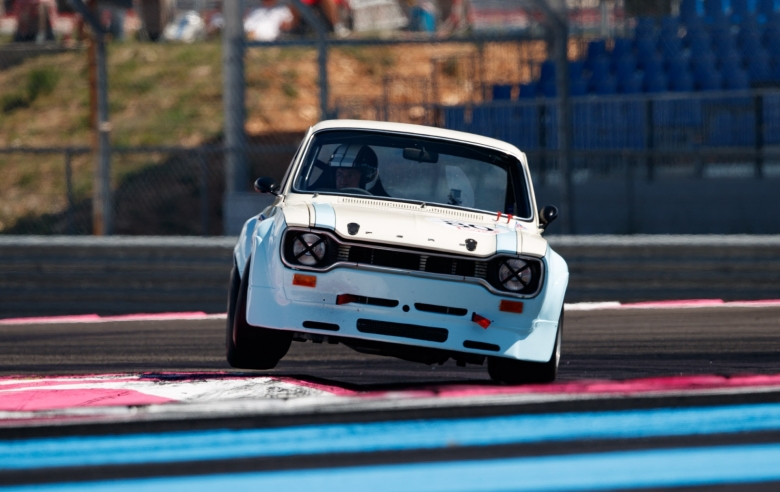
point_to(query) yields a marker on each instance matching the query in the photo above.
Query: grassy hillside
(170, 94)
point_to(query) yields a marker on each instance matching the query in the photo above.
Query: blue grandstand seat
(736, 80)
(681, 81)
(653, 66)
(631, 84)
(774, 73)
(759, 70)
(708, 80)
(548, 88)
(677, 65)
(655, 83)
(528, 91)
(751, 43)
(578, 87)
(739, 11)
(625, 67)
(670, 46)
(723, 42)
(766, 8)
(730, 62)
(547, 71)
(645, 28)
(706, 61)
(597, 48)
(689, 10)
(669, 25)
(713, 10)
(622, 47)
(576, 69)
(645, 48)
(605, 85)
(600, 67)
(502, 92)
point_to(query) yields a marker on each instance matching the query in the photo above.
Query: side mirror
(547, 214)
(266, 185)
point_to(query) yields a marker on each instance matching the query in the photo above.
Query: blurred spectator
(186, 27)
(423, 14)
(34, 19)
(332, 11)
(267, 22)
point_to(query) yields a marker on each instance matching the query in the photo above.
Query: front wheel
(512, 371)
(250, 347)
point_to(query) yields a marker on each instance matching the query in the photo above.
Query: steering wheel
(357, 191)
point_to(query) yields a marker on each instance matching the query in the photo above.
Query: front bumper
(274, 302)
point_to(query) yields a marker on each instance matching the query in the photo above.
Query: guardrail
(50, 275)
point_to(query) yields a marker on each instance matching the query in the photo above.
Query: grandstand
(703, 78)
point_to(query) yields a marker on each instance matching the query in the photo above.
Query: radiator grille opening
(319, 325)
(433, 308)
(402, 330)
(481, 346)
(413, 261)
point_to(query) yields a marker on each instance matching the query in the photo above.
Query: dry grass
(165, 94)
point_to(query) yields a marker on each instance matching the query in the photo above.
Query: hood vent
(411, 206)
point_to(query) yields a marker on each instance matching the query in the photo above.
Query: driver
(356, 166)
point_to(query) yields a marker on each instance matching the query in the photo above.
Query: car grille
(366, 255)
(402, 330)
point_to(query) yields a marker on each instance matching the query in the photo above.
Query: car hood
(435, 228)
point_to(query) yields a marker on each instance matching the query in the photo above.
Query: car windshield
(415, 169)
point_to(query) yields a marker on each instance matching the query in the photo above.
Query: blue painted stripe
(324, 215)
(603, 471)
(383, 436)
(506, 242)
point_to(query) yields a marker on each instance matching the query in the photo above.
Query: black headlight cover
(534, 265)
(299, 242)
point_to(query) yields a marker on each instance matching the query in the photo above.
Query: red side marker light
(480, 320)
(345, 299)
(304, 280)
(511, 307)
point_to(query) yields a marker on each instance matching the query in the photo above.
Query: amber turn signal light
(511, 306)
(304, 280)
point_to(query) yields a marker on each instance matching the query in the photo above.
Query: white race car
(401, 240)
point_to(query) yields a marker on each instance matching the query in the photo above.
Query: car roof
(421, 130)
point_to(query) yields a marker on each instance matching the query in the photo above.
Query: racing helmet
(356, 156)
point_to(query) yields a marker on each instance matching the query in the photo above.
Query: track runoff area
(675, 395)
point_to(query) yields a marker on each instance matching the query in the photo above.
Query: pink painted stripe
(94, 318)
(52, 399)
(674, 304)
(628, 387)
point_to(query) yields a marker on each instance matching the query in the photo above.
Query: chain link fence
(167, 116)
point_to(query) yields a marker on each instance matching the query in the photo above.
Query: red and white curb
(51, 393)
(122, 398)
(578, 306)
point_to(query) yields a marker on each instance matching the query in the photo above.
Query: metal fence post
(759, 111)
(236, 171)
(102, 202)
(204, 192)
(649, 138)
(69, 191)
(322, 49)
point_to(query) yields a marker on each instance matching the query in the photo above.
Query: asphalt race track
(609, 344)
(637, 405)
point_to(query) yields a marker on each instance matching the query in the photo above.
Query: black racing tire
(512, 371)
(247, 346)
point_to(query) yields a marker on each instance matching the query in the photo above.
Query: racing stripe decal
(324, 216)
(506, 242)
